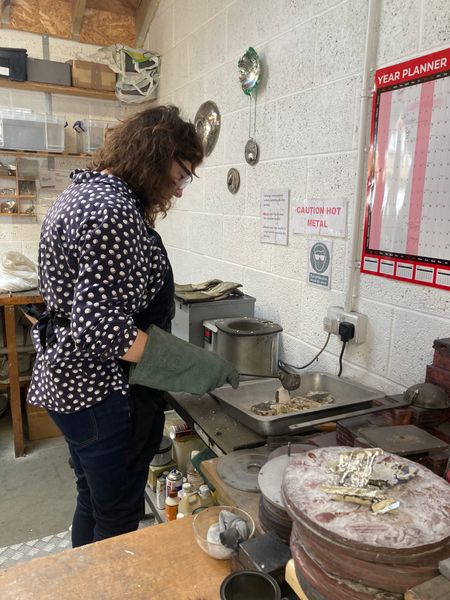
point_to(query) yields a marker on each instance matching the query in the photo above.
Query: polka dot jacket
(98, 266)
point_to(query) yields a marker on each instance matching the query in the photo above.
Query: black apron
(147, 404)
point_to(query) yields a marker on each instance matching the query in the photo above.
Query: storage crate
(48, 71)
(40, 424)
(27, 130)
(13, 63)
(55, 133)
(93, 134)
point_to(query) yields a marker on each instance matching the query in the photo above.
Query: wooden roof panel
(120, 7)
(49, 17)
(99, 22)
(107, 28)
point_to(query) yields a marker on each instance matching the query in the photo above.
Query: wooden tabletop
(28, 297)
(162, 562)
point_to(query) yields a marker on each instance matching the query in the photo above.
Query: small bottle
(193, 476)
(161, 492)
(171, 507)
(185, 490)
(205, 495)
(174, 481)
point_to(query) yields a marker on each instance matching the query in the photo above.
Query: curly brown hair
(140, 150)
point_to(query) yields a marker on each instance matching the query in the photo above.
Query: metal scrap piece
(365, 493)
(356, 466)
(385, 506)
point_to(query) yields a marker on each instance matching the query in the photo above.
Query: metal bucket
(251, 585)
(249, 343)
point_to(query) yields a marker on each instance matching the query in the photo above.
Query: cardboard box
(155, 472)
(48, 71)
(92, 76)
(40, 424)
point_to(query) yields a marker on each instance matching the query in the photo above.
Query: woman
(105, 278)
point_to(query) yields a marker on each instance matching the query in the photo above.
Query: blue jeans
(110, 495)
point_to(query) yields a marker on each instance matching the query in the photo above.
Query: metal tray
(348, 397)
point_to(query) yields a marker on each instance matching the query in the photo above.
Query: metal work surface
(348, 396)
(212, 419)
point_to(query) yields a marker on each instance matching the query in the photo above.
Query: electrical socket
(336, 315)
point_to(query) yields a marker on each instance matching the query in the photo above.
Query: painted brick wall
(307, 121)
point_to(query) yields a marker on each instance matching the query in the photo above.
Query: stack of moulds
(344, 551)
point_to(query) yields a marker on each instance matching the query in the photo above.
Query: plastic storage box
(27, 130)
(13, 63)
(91, 134)
(55, 133)
(48, 71)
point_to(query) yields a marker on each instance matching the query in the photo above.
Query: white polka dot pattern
(97, 266)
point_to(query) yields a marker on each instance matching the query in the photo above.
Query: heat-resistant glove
(171, 364)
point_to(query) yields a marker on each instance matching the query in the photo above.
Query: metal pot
(164, 453)
(252, 585)
(249, 343)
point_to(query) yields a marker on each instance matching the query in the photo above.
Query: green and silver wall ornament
(249, 75)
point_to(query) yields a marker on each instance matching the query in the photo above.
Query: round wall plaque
(233, 180)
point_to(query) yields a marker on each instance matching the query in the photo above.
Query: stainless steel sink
(348, 396)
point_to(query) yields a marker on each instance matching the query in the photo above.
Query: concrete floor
(37, 492)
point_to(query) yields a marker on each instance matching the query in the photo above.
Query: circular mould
(241, 472)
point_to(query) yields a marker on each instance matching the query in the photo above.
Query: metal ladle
(290, 381)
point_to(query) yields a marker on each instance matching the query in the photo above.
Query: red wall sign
(407, 222)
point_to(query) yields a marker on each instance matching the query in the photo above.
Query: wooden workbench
(162, 562)
(9, 302)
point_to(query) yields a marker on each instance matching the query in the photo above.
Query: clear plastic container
(93, 136)
(55, 133)
(22, 129)
(210, 516)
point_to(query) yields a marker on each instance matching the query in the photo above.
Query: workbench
(162, 562)
(9, 302)
(220, 432)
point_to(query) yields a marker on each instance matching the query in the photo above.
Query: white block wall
(307, 121)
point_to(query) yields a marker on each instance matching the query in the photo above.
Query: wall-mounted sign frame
(407, 222)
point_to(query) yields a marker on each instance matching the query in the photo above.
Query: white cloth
(17, 273)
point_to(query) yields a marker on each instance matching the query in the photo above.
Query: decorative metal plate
(251, 152)
(207, 125)
(249, 70)
(233, 180)
(241, 471)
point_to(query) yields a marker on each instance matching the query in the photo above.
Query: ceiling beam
(145, 12)
(5, 7)
(78, 9)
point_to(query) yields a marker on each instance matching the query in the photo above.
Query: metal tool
(290, 381)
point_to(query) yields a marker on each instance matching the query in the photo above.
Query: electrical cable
(283, 364)
(340, 358)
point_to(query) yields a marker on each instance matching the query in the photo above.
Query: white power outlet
(337, 315)
(332, 320)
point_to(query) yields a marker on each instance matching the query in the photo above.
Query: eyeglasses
(188, 177)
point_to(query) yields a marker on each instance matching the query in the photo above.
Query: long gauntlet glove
(171, 364)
